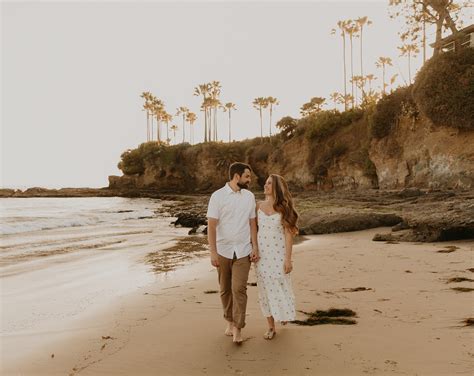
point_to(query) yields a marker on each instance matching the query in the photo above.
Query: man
(232, 236)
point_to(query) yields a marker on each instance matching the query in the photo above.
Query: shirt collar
(229, 190)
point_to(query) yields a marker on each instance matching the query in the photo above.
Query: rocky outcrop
(417, 154)
(315, 223)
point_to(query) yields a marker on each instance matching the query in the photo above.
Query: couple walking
(241, 231)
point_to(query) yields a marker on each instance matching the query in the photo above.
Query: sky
(72, 73)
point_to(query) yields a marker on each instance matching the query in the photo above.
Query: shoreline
(408, 319)
(33, 192)
(412, 214)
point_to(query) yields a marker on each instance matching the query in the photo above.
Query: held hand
(287, 266)
(254, 256)
(214, 260)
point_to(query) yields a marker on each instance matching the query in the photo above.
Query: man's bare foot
(229, 330)
(237, 336)
(284, 322)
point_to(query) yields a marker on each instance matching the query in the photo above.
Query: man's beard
(243, 185)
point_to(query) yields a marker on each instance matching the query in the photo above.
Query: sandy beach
(409, 320)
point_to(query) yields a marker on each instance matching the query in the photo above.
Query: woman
(277, 225)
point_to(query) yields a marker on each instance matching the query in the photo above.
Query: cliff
(420, 136)
(415, 154)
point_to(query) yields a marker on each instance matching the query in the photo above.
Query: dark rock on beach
(314, 223)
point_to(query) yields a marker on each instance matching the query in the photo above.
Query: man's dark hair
(238, 168)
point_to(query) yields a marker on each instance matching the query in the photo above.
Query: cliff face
(421, 155)
(414, 154)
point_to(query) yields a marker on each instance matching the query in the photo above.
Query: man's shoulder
(248, 193)
(218, 192)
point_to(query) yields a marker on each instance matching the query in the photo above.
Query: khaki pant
(233, 276)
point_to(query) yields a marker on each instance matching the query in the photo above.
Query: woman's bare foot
(270, 333)
(228, 330)
(237, 336)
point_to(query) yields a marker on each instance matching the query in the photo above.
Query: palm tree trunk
(152, 128)
(215, 124)
(361, 62)
(158, 130)
(167, 130)
(261, 124)
(229, 125)
(383, 77)
(210, 125)
(352, 74)
(345, 73)
(184, 128)
(424, 32)
(271, 110)
(147, 126)
(205, 125)
(409, 66)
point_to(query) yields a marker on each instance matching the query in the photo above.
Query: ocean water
(23, 215)
(62, 257)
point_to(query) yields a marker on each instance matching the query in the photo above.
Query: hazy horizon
(73, 73)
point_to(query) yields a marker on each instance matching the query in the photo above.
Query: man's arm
(211, 238)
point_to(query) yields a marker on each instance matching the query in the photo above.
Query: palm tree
(191, 118)
(147, 107)
(216, 103)
(215, 92)
(382, 62)
(352, 29)
(393, 79)
(342, 27)
(271, 101)
(361, 21)
(158, 108)
(183, 111)
(167, 118)
(370, 78)
(359, 81)
(203, 90)
(174, 128)
(335, 98)
(259, 104)
(206, 108)
(228, 107)
(313, 106)
(409, 50)
(346, 99)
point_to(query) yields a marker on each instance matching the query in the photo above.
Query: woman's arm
(254, 256)
(287, 265)
(257, 206)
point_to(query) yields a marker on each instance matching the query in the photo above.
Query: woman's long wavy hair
(283, 203)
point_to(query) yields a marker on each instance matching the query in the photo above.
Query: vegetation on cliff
(320, 138)
(444, 89)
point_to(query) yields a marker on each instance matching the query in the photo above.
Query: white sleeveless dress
(275, 293)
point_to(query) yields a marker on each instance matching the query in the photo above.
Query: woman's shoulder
(259, 203)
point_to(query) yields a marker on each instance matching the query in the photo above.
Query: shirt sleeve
(252, 212)
(213, 207)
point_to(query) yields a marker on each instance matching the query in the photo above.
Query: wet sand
(408, 319)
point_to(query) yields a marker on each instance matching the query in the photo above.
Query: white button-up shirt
(233, 210)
